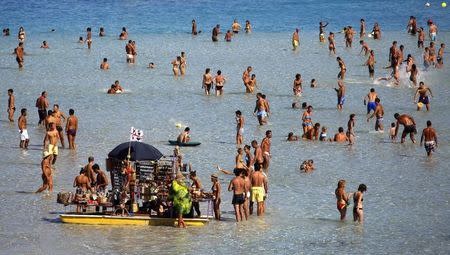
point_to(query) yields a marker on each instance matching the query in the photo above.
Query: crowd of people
(250, 183)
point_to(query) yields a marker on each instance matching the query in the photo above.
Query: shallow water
(406, 206)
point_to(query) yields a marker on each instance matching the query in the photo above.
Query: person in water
(430, 137)
(240, 121)
(341, 90)
(409, 126)
(379, 114)
(370, 100)
(237, 185)
(422, 91)
(47, 177)
(342, 199)
(216, 190)
(104, 65)
(358, 199)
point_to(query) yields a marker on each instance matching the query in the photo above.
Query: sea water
(406, 208)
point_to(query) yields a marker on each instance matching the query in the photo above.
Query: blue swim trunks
(371, 106)
(341, 100)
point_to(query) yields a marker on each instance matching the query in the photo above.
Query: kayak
(188, 144)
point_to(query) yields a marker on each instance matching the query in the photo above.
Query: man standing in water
(19, 51)
(104, 65)
(259, 189)
(370, 63)
(11, 105)
(215, 33)
(362, 28)
(295, 39)
(246, 78)
(261, 109)
(430, 136)
(57, 114)
(237, 185)
(371, 105)
(422, 91)
(42, 105)
(129, 51)
(47, 178)
(71, 129)
(194, 27)
(340, 95)
(89, 37)
(265, 149)
(50, 141)
(22, 123)
(258, 157)
(341, 74)
(322, 31)
(433, 30)
(379, 113)
(409, 126)
(239, 128)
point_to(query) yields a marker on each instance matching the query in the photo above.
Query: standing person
(11, 105)
(216, 190)
(249, 158)
(420, 38)
(259, 189)
(19, 51)
(297, 88)
(261, 109)
(364, 47)
(207, 81)
(57, 114)
(194, 27)
(370, 99)
(124, 34)
(331, 45)
(176, 66)
(322, 31)
(343, 69)
(376, 31)
(432, 54)
(71, 129)
(295, 39)
(340, 95)
(240, 121)
(51, 141)
(133, 51)
(89, 37)
(349, 36)
(440, 56)
(379, 114)
(196, 187)
(248, 27)
(228, 36)
(89, 171)
(22, 123)
(246, 78)
(265, 148)
(422, 91)
(409, 127)
(219, 81)
(307, 123)
(101, 184)
(47, 178)
(414, 72)
(342, 198)
(129, 51)
(215, 33)
(179, 194)
(235, 27)
(433, 29)
(258, 155)
(412, 26)
(393, 54)
(183, 63)
(237, 185)
(370, 63)
(362, 28)
(430, 136)
(21, 35)
(104, 65)
(358, 199)
(101, 33)
(351, 129)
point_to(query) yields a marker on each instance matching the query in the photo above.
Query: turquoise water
(406, 206)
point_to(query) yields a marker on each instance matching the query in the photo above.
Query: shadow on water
(54, 220)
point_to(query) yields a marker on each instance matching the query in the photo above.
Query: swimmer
(433, 29)
(175, 66)
(194, 27)
(409, 126)
(101, 32)
(342, 198)
(440, 56)
(307, 120)
(237, 185)
(240, 121)
(118, 87)
(340, 95)
(432, 54)
(22, 124)
(379, 114)
(340, 137)
(412, 25)
(265, 148)
(235, 27)
(246, 78)
(297, 87)
(11, 105)
(370, 63)
(313, 83)
(295, 39)
(80, 40)
(207, 82)
(215, 33)
(291, 137)
(350, 129)
(349, 36)
(362, 28)
(124, 34)
(422, 91)
(322, 31)
(88, 37)
(129, 51)
(71, 129)
(295, 105)
(307, 166)
(376, 31)
(104, 65)
(51, 141)
(21, 35)
(185, 136)
(364, 47)
(20, 52)
(426, 58)
(358, 203)
(44, 45)
(259, 189)
(430, 137)
(183, 63)
(312, 133)
(57, 114)
(151, 65)
(228, 36)
(343, 69)
(331, 44)
(323, 134)
(47, 177)
(252, 84)
(370, 99)
(420, 38)
(414, 72)
(248, 27)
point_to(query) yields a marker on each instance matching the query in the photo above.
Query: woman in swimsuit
(307, 121)
(341, 198)
(341, 74)
(331, 46)
(207, 81)
(216, 189)
(219, 81)
(21, 34)
(183, 63)
(358, 199)
(409, 63)
(248, 27)
(426, 57)
(297, 88)
(413, 75)
(175, 65)
(376, 31)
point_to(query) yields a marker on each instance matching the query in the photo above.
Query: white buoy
(427, 5)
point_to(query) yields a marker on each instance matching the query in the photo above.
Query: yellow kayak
(128, 220)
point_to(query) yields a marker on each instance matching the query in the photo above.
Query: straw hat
(179, 176)
(214, 176)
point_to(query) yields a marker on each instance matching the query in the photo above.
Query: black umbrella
(138, 151)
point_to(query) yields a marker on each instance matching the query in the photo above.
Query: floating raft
(188, 144)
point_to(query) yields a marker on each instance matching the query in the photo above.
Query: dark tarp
(139, 151)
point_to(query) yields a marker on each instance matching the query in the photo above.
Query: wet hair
(362, 20)
(219, 72)
(105, 60)
(193, 173)
(362, 187)
(341, 129)
(377, 100)
(23, 110)
(268, 132)
(324, 128)
(428, 123)
(294, 105)
(402, 47)
(421, 83)
(102, 29)
(313, 80)
(237, 171)
(263, 96)
(338, 58)
(187, 129)
(95, 167)
(247, 147)
(124, 29)
(228, 31)
(253, 76)
(90, 159)
(117, 81)
(249, 67)
(291, 134)
(81, 38)
(21, 43)
(304, 105)
(207, 70)
(442, 44)
(393, 124)
(310, 107)
(298, 76)
(254, 142)
(239, 150)
(317, 125)
(10, 90)
(341, 183)
(396, 115)
(71, 111)
(361, 41)
(257, 167)
(352, 116)
(394, 42)
(130, 41)
(238, 112)
(88, 29)
(82, 171)
(372, 90)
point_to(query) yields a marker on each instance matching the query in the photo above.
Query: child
(392, 131)
(323, 134)
(292, 137)
(313, 83)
